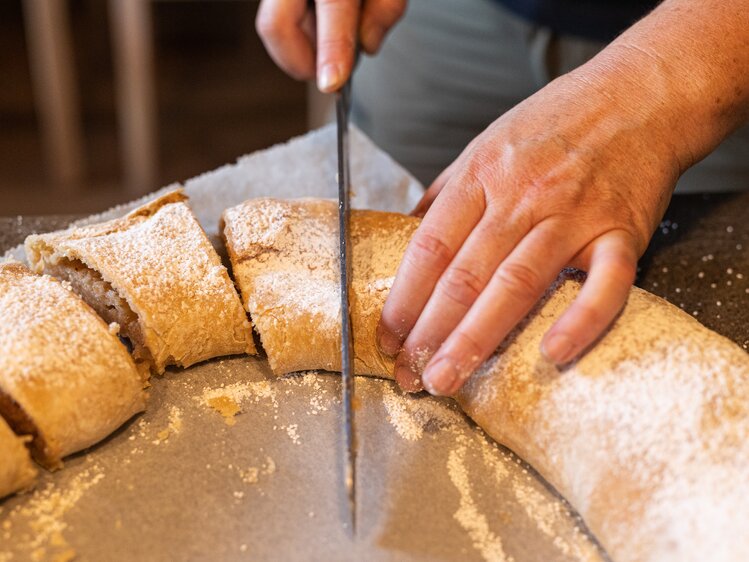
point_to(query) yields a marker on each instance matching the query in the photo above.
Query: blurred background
(104, 100)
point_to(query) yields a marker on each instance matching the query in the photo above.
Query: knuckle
(335, 4)
(622, 269)
(471, 351)
(336, 44)
(461, 285)
(397, 322)
(268, 25)
(429, 248)
(590, 316)
(416, 355)
(480, 170)
(390, 11)
(521, 281)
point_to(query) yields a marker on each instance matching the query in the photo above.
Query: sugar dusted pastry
(65, 379)
(154, 273)
(17, 472)
(647, 435)
(284, 256)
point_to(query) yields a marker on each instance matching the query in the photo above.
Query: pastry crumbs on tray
(226, 406)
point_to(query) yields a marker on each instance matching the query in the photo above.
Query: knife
(343, 98)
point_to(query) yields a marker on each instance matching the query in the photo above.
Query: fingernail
(329, 77)
(558, 348)
(389, 343)
(441, 379)
(407, 380)
(371, 38)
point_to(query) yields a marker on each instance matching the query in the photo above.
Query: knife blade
(347, 339)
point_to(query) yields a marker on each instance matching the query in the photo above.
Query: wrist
(681, 72)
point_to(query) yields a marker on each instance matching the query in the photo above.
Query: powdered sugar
(43, 537)
(160, 262)
(647, 435)
(470, 518)
(284, 257)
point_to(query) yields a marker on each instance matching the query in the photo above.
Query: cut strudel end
(65, 377)
(17, 472)
(284, 256)
(156, 274)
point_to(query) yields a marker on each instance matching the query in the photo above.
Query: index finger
(432, 248)
(337, 22)
(280, 25)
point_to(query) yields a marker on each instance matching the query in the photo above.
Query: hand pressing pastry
(65, 377)
(284, 256)
(647, 435)
(17, 472)
(155, 273)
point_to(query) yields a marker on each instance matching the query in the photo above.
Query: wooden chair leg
(130, 23)
(52, 70)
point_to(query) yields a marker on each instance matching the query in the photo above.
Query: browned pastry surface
(647, 435)
(16, 469)
(284, 256)
(155, 273)
(65, 378)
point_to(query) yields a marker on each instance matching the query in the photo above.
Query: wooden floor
(219, 96)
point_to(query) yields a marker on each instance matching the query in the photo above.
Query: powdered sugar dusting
(284, 256)
(55, 350)
(37, 527)
(159, 260)
(412, 415)
(647, 435)
(470, 518)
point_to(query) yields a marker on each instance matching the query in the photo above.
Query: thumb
(337, 22)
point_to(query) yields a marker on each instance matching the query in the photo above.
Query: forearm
(683, 70)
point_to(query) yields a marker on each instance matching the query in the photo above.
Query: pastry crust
(65, 378)
(647, 435)
(17, 472)
(284, 256)
(155, 273)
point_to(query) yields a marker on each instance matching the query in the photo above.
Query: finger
(336, 42)
(518, 283)
(432, 248)
(378, 17)
(610, 276)
(279, 24)
(457, 289)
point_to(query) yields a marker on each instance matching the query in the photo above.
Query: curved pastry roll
(65, 378)
(155, 273)
(647, 435)
(284, 256)
(17, 472)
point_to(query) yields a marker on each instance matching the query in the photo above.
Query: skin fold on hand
(578, 175)
(319, 39)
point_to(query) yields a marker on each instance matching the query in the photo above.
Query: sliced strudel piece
(155, 273)
(17, 472)
(284, 256)
(65, 377)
